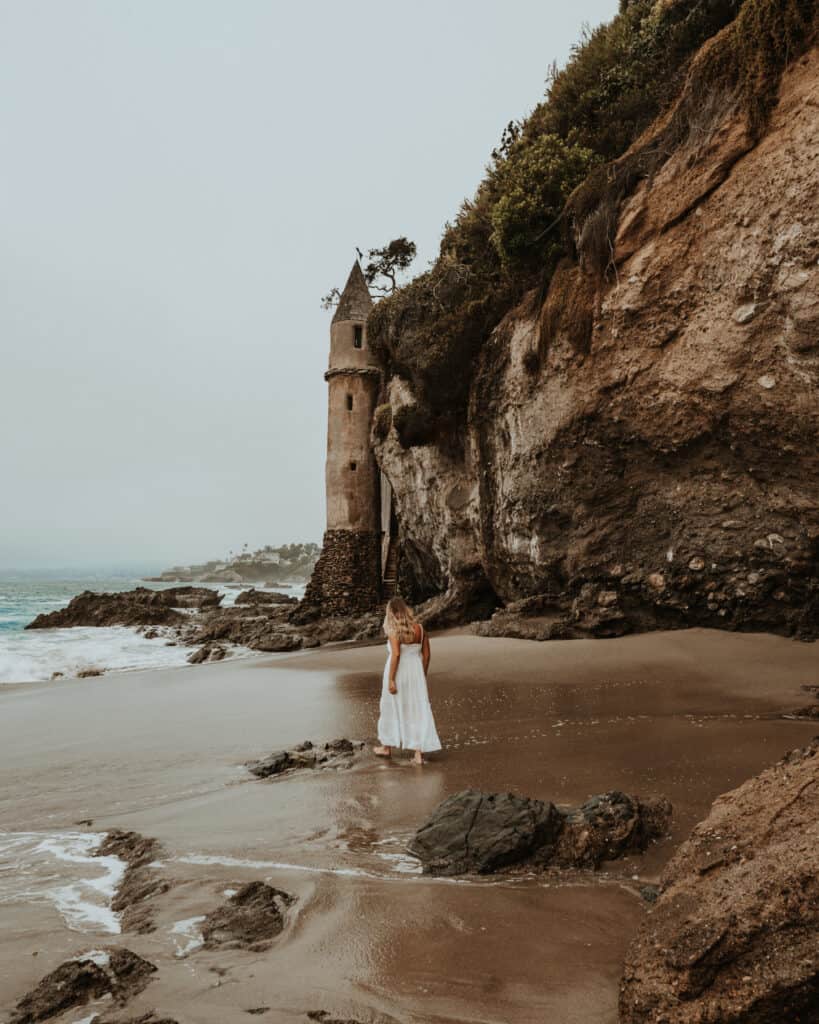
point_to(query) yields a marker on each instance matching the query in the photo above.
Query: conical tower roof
(355, 302)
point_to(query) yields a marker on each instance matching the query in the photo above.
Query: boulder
(475, 832)
(609, 826)
(484, 832)
(732, 939)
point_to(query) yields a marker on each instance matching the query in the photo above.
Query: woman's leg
(382, 751)
(419, 757)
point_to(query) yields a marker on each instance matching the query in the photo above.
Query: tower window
(353, 465)
(349, 403)
(358, 336)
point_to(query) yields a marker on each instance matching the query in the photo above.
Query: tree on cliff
(382, 270)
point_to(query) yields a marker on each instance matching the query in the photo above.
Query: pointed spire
(355, 302)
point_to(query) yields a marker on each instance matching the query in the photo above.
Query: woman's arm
(425, 653)
(395, 657)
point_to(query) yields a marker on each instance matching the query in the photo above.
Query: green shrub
(534, 183)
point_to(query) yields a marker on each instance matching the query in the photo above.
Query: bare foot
(382, 751)
(419, 758)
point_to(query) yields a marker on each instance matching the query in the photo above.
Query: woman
(406, 717)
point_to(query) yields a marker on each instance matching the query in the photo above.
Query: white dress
(406, 717)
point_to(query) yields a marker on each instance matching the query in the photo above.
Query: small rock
(745, 314)
(696, 564)
(89, 673)
(209, 652)
(606, 598)
(767, 381)
(273, 764)
(732, 524)
(656, 581)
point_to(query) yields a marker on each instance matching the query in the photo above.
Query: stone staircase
(389, 582)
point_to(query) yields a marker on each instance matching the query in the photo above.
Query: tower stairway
(389, 582)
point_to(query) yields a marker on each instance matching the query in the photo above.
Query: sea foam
(36, 655)
(60, 869)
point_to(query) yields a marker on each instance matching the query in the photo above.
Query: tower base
(346, 579)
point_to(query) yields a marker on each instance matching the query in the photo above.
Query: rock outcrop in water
(114, 972)
(141, 882)
(732, 938)
(259, 620)
(639, 448)
(138, 607)
(481, 833)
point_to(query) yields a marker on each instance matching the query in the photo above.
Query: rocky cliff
(732, 938)
(639, 447)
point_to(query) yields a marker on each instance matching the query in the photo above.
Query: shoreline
(685, 714)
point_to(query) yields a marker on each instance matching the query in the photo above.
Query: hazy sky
(180, 182)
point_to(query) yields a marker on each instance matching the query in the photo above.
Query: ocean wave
(36, 655)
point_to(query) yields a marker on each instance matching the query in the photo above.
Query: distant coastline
(285, 566)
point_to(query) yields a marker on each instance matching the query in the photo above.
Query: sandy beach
(687, 715)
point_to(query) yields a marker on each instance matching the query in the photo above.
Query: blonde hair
(399, 620)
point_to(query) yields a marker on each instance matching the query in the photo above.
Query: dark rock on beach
(140, 883)
(484, 832)
(475, 832)
(139, 607)
(208, 652)
(120, 974)
(732, 939)
(336, 754)
(250, 919)
(265, 597)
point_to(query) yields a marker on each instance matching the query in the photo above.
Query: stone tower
(347, 576)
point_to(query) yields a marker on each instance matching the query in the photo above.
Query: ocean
(35, 655)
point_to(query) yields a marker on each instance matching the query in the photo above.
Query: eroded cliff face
(641, 448)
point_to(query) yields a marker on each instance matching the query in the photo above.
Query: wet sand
(684, 714)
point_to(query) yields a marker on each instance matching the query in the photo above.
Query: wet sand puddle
(369, 938)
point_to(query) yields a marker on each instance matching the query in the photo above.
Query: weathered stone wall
(351, 473)
(347, 576)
